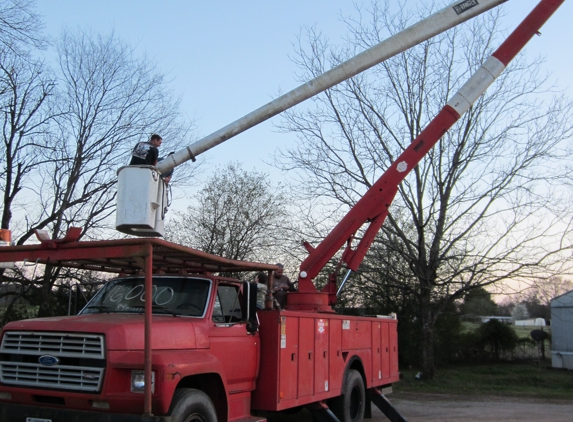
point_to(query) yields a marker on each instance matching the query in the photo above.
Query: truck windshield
(171, 295)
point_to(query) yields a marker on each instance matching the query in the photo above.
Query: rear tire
(350, 406)
(190, 405)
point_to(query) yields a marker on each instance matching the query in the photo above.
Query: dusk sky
(226, 58)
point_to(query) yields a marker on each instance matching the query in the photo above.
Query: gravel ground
(448, 408)
(445, 408)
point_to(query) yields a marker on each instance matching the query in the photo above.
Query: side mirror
(249, 306)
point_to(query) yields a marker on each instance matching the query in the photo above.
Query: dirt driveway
(433, 407)
(447, 408)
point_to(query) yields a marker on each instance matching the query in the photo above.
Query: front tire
(191, 405)
(350, 406)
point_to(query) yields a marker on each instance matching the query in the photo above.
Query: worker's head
(279, 271)
(261, 278)
(155, 140)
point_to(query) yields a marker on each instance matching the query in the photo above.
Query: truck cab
(204, 337)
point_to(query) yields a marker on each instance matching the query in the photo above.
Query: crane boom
(450, 16)
(372, 208)
(141, 200)
(140, 209)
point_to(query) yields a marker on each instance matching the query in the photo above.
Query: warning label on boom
(464, 6)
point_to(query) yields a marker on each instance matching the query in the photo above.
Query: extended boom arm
(372, 208)
(454, 14)
(141, 202)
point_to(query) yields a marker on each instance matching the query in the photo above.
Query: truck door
(235, 348)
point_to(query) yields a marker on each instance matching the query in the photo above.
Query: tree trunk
(46, 300)
(427, 320)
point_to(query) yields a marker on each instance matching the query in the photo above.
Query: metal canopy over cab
(125, 256)
(139, 256)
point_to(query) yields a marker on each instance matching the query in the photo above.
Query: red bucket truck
(168, 339)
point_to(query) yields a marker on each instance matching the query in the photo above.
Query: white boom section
(450, 16)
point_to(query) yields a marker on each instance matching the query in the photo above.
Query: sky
(226, 58)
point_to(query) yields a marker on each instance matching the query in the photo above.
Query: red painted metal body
(304, 356)
(125, 336)
(295, 358)
(183, 349)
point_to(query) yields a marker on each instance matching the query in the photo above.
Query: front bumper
(22, 413)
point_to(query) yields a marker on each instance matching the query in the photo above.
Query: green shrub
(495, 337)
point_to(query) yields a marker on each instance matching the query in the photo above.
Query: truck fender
(213, 386)
(355, 362)
(342, 406)
(201, 371)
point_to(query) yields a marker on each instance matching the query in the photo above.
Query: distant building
(504, 319)
(532, 322)
(562, 331)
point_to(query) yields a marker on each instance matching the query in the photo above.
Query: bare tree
(107, 100)
(537, 295)
(238, 215)
(20, 26)
(25, 113)
(65, 134)
(547, 289)
(483, 205)
(519, 312)
(25, 87)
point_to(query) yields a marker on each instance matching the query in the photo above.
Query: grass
(509, 379)
(521, 330)
(525, 331)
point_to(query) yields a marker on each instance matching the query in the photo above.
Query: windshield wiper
(157, 308)
(100, 307)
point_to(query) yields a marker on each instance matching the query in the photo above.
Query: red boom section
(526, 30)
(373, 207)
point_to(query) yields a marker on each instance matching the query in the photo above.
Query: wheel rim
(195, 417)
(355, 403)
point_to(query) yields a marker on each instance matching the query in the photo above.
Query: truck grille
(61, 377)
(57, 344)
(80, 361)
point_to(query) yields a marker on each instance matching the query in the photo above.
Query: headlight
(138, 381)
